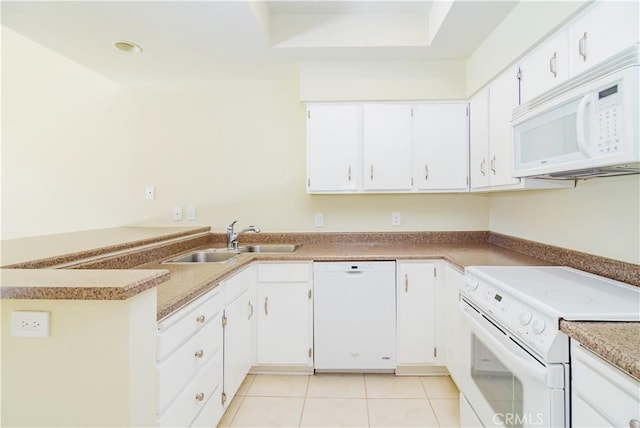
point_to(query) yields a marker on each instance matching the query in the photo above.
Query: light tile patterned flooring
(344, 400)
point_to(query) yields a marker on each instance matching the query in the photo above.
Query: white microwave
(586, 127)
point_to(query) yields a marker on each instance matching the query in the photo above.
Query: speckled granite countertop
(616, 342)
(79, 284)
(189, 281)
(107, 276)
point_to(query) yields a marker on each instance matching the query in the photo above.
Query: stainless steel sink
(269, 248)
(205, 256)
(220, 255)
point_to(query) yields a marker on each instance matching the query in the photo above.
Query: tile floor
(344, 400)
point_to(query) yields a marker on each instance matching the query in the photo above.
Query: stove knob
(472, 283)
(538, 326)
(525, 317)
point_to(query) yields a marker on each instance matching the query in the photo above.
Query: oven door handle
(515, 363)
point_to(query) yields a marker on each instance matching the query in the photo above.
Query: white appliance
(354, 319)
(585, 127)
(516, 360)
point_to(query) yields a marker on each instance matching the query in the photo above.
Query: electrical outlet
(30, 324)
(176, 213)
(318, 220)
(396, 219)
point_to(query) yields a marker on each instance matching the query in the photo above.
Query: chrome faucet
(232, 237)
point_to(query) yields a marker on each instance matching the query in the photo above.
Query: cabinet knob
(200, 319)
(199, 354)
(200, 396)
(634, 423)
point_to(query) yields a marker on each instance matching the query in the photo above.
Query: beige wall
(382, 80)
(599, 217)
(97, 367)
(236, 150)
(66, 139)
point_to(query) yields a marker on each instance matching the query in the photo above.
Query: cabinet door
(442, 139)
(415, 288)
(545, 67)
(237, 343)
(503, 98)
(479, 139)
(333, 140)
(452, 334)
(284, 319)
(387, 147)
(604, 30)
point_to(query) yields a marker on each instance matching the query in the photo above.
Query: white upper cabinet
(545, 67)
(503, 98)
(479, 139)
(387, 147)
(333, 141)
(602, 31)
(441, 134)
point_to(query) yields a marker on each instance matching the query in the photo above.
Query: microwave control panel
(608, 120)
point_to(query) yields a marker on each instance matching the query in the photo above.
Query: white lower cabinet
(189, 367)
(239, 316)
(452, 321)
(285, 317)
(601, 395)
(416, 319)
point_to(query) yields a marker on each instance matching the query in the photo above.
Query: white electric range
(517, 359)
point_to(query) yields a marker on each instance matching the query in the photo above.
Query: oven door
(504, 384)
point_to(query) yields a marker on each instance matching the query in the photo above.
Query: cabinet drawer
(179, 327)
(284, 272)
(181, 366)
(211, 412)
(610, 392)
(206, 387)
(237, 284)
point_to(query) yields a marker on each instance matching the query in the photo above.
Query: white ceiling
(201, 40)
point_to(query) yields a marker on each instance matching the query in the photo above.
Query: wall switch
(150, 192)
(396, 219)
(191, 213)
(176, 213)
(318, 220)
(30, 324)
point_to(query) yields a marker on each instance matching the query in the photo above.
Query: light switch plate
(318, 220)
(191, 213)
(150, 192)
(176, 213)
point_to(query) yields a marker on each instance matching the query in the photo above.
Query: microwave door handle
(580, 122)
(512, 361)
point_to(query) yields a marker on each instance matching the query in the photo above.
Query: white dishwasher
(354, 316)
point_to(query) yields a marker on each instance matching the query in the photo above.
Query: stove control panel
(532, 327)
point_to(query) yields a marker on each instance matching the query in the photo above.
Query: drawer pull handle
(266, 306)
(406, 282)
(582, 47)
(200, 319)
(553, 65)
(250, 310)
(200, 396)
(199, 354)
